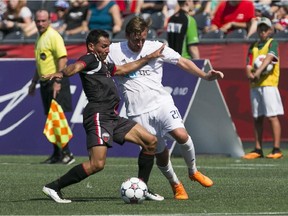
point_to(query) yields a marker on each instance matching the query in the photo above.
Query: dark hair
(137, 25)
(42, 10)
(94, 35)
(181, 2)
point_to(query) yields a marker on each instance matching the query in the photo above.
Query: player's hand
(157, 53)
(52, 76)
(213, 75)
(31, 89)
(56, 89)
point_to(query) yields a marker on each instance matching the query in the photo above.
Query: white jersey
(142, 89)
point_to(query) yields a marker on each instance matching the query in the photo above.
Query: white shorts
(159, 122)
(266, 101)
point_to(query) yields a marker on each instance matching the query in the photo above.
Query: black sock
(145, 165)
(74, 175)
(56, 151)
(66, 150)
(275, 150)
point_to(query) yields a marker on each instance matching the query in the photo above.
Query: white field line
(228, 166)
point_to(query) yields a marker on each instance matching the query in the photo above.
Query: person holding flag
(51, 56)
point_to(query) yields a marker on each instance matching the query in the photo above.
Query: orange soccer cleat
(275, 154)
(256, 153)
(179, 191)
(202, 179)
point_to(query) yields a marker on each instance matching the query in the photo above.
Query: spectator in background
(170, 7)
(231, 15)
(182, 31)
(105, 15)
(261, 10)
(204, 6)
(264, 94)
(149, 7)
(76, 21)
(17, 17)
(281, 18)
(58, 18)
(129, 7)
(3, 8)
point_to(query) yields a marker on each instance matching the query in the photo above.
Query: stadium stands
(157, 30)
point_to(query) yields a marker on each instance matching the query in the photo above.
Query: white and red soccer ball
(133, 191)
(258, 62)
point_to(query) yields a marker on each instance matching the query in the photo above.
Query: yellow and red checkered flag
(56, 128)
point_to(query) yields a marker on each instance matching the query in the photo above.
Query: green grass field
(254, 187)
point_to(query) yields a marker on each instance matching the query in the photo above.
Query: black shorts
(102, 129)
(64, 97)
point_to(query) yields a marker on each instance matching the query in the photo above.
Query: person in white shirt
(148, 103)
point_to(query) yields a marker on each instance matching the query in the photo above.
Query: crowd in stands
(74, 18)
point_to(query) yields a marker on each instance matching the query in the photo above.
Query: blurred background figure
(76, 22)
(149, 7)
(3, 8)
(129, 7)
(105, 15)
(170, 7)
(58, 17)
(182, 31)
(281, 18)
(16, 18)
(262, 9)
(231, 15)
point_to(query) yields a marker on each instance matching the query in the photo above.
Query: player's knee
(182, 138)
(152, 144)
(97, 166)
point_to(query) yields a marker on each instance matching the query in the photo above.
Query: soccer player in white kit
(148, 103)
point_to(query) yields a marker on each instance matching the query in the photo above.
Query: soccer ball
(258, 62)
(133, 191)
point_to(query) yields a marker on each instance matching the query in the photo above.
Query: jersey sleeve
(59, 46)
(87, 60)
(273, 50)
(192, 32)
(170, 55)
(111, 68)
(249, 59)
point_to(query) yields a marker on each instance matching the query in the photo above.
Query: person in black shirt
(101, 121)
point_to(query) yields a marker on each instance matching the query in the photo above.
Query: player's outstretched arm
(132, 66)
(70, 70)
(191, 68)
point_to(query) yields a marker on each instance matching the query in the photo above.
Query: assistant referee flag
(56, 128)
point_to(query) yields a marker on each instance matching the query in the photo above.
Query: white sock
(188, 153)
(169, 173)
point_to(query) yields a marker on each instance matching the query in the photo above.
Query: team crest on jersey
(105, 137)
(42, 56)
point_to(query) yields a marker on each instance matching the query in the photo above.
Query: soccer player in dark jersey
(101, 121)
(182, 33)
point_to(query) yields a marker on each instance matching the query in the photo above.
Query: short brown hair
(137, 25)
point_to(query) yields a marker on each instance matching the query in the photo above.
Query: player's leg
(142, 137)
(276, 129)
(165, 166)
(77, 174)
(274, 108)
(258, 131)
(258, 112)
(128, 130)
(188, 152)
(97, 148)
